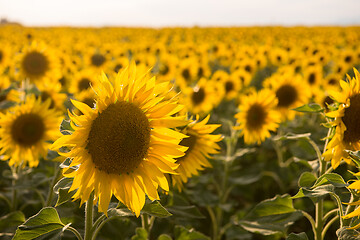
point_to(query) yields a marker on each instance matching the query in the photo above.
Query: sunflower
(231, 83)
(242, 76)
(257, 116)
(203, 97)
(186, 73)
(201, 143)
(37, 62)
(96, 60)
(125, 144)
(26, 129)
(50, 90)
(83, 80)
(313, 76)
(289, 94)
(5, 56)
(356, 213)
(346, 119)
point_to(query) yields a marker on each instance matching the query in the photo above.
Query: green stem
(100, 225)
(280, 157)
(327, 215)
(316, 148)
(341, 212)
(145, 222)
(328, 225)
(89, 211)
(14, 191)
(76, 233)
(311, 220)
(98, 221)
(349, 209)
(53, 182)
(276, 178)
(213, 221)
(319, 207)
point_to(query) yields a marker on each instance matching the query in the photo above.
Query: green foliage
(300, 236)
(182, 233)
(141, 234)
(271, 216)
(45, 222)
(309, 108)
(12, 219)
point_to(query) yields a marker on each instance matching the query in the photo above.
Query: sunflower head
(257, 116)
(345, 120)
(200, 143)
(125, 144)
(26, 130)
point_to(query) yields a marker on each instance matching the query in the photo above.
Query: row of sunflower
(142, 111)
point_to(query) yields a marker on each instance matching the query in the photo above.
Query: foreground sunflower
(346, 119)
(356, 213)
(125, 144)
(201, 143)
(25, 131)
(257, 116)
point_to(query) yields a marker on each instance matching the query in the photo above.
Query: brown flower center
(27, 129)
(198, 96)
(229, 86)
(312, 78)
(35, 64)
(186, 74)
(119, 138)
(286, 95)
(351, 120)
(84, 84)
(97, 59)
(255, 117)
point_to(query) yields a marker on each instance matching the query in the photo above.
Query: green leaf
(120, 212)
(309, 108)
(44, 222)
(327, 125)
(64, 183)
(317, 192)
(271, 216)
(307, 179)
(270, 225)
(65, 127)
(292, 136)
(181, 233)
(164, 237)
(141, 234)
(273, 225)
(347, 234)
(299, 236)
(63, 196)
(277, 205)
(12, 219)
(330, 178)
(185, 211)
(155, 209)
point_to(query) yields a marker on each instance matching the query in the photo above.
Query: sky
(163, 13)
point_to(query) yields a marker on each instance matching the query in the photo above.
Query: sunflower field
(248, 133)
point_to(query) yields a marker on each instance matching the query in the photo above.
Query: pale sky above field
(158, 13)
